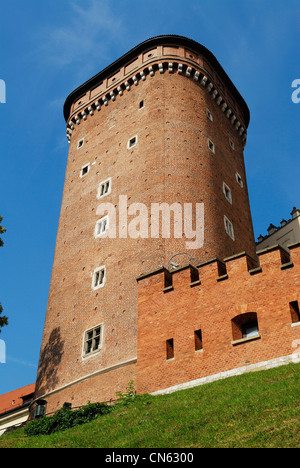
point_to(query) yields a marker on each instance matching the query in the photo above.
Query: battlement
(216, 270)
(202, 321)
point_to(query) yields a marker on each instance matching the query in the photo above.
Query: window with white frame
(92, 341)
(104, 188)
(229, 227)
(227, 192)
(209, 115)
(239, 179)
(132, 142)
(80, 143)
(99, 277)
(210, 145)
(84, 170)
(101, 226)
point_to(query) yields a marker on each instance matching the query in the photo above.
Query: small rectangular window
(211, 145)
(170, 348)
(92, 340)
(101, 226)
(99, 277)
(80, 143)
(229, 227)
(295, 313)
(141, 105)
(231, 143)
(239, 179)
(84, 170)
(104, 188)
(209, 115)
(227, 192)
(198, 340)
(132, 142)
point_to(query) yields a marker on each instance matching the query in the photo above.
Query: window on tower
(229, 227)
(99, 277)
(211, 145)
(132, 142)
(227, 192)
(101, 226)
(92, 340)
(104, 188)
(84, 170)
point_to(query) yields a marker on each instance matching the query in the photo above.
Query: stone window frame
(85, 170)
(99, 232)
(99, 277)
(209, 115)
(227, 192)
(107, 188)
(132, 142)
(92, 340)
(239, 179)
(80, 143)
(229, 227)
(211, 145)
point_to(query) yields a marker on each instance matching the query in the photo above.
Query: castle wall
(159, 99)
(217, 304)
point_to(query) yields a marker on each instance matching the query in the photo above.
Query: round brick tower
(163, 124)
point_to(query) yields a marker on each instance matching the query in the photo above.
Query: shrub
(65, 418)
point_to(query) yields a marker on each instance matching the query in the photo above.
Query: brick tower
(162, 124)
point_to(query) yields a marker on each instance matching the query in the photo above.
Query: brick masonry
(212, 305)
(159, 93)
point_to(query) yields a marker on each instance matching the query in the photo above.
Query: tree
(3, 319)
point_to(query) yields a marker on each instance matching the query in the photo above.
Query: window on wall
(294, 310)
(198, 340)
(92, 340)
(104, 188)
(231, 143)
(245, 327)
(84, 170)
(239, 179)
(99, 277)
(80, 143)
(101, 226)
(211, 145)
(170, 348)
(227, 192)
(229, 227)
(141, 104)
(209, 115)
(132, 142)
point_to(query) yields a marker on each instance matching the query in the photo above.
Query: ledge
(168, 288)
(254, 271)
(287, 265)
(195, 283)
(244, 340)
(222, 278)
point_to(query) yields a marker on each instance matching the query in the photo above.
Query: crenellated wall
(199, 312)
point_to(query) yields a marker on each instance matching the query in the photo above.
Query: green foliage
(65, 418)
(128, 397)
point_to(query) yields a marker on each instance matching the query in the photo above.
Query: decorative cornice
(182, 67)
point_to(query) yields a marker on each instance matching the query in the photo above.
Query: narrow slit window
(198, 340)
(141, 105)
(295, 313)
(170, 348)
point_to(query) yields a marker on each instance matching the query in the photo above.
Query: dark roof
(166, 39)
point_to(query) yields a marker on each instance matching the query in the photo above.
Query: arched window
(245, 326)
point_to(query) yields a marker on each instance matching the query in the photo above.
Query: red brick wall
(210, 306)
(171, 163)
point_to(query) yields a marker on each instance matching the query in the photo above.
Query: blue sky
(48, 48)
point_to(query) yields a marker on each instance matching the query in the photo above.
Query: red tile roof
(12, 400)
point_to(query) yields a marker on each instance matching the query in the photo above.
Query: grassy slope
(260, 409)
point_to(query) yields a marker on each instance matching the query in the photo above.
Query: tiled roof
(14, 399)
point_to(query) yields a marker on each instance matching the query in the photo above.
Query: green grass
(260, 409)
